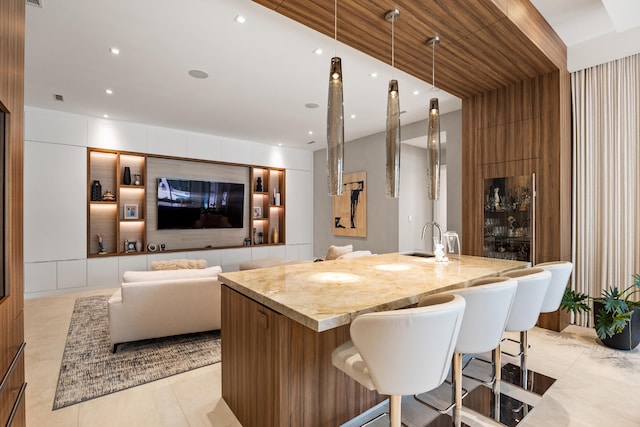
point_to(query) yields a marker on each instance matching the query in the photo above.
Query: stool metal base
(483, 401)
(536, 382)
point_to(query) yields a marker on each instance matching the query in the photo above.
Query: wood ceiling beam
(485, 44)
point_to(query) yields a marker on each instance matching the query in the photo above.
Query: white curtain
(606, 176)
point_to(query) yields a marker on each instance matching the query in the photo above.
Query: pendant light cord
(335, 27)
(393, 56)
(433, 67)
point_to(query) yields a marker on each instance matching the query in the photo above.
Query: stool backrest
(409, 351)
(560, 273)
(532, 288)
(485, 315)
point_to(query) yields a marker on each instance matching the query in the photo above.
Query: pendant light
(433, 134)
(392, 171)
(335, 121)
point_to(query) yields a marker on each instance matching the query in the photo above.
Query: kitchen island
(280, 325)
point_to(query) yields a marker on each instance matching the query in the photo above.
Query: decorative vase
(137, 180)
(96, 191)
(259, 185)
(139, 246)
(126, 178)
(274, 235)
(629, 338)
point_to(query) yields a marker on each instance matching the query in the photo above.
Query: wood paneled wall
(521, 129)
(277, 372)
(12, 21)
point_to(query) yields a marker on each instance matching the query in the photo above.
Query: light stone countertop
(328, 294)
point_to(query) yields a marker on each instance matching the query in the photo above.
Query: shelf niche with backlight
(118, 221)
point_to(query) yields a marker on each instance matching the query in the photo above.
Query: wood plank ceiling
(485, 44)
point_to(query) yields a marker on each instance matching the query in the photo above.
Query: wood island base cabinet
(277, 372)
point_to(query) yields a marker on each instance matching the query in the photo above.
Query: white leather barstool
(532, 289)
(560, 273)
(402, 352)
(488, 304)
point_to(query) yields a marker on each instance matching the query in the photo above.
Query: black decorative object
(259, 185)
(96, 191)
(126, 179)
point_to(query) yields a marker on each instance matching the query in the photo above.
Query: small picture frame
(257, 212)
(131, 246)
(130, 211)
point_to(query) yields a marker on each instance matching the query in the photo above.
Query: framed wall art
(350, 209)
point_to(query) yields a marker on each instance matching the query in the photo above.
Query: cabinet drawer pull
(14, 362)
(16, 404)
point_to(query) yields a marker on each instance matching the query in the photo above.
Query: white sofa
(152, 304)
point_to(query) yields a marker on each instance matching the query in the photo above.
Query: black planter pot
(629, 338)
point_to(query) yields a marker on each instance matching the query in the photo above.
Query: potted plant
(617, 315)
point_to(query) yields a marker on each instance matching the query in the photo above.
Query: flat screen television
(188, 204)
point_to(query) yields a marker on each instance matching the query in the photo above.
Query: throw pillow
(178, 264)
(335, 251)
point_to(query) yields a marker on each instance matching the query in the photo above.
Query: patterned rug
(89, 369)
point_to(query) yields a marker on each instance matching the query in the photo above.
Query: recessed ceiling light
(108, 91)
(353, 116)
(416, 92)
(106, 116)
(114, 50)
(374, 75)
(317, 51)
(311, 105)
(240, 19)
(310, 132)
(279, 144)
(198, 74)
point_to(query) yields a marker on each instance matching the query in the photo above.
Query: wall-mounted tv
(186, 204)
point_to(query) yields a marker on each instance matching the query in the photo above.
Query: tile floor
(595, 386)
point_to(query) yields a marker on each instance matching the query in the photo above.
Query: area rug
(89, 369)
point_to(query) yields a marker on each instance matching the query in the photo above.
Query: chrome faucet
(436, 225)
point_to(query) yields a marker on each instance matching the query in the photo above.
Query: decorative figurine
(439, 253)
(496, 198)
(96, 191)
(259, 185)
(108, 196)
(102, 251)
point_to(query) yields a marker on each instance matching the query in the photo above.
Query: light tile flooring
(595, 386)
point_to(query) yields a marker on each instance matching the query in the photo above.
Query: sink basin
(419, 254)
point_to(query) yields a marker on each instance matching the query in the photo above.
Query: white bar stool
(533, 284)
(560, 273)
(488, 302)
(402, 352)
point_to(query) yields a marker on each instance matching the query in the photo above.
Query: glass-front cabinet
(509, 218)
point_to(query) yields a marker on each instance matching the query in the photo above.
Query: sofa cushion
(149, 276)
(335, 251)
(178, 264)
(355, 254)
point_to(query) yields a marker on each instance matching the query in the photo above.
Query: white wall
(55, 197)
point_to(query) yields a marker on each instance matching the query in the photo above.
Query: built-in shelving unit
(267, 206)
(118, 204)
(116, 209)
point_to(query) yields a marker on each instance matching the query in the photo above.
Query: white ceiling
(261, 73)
